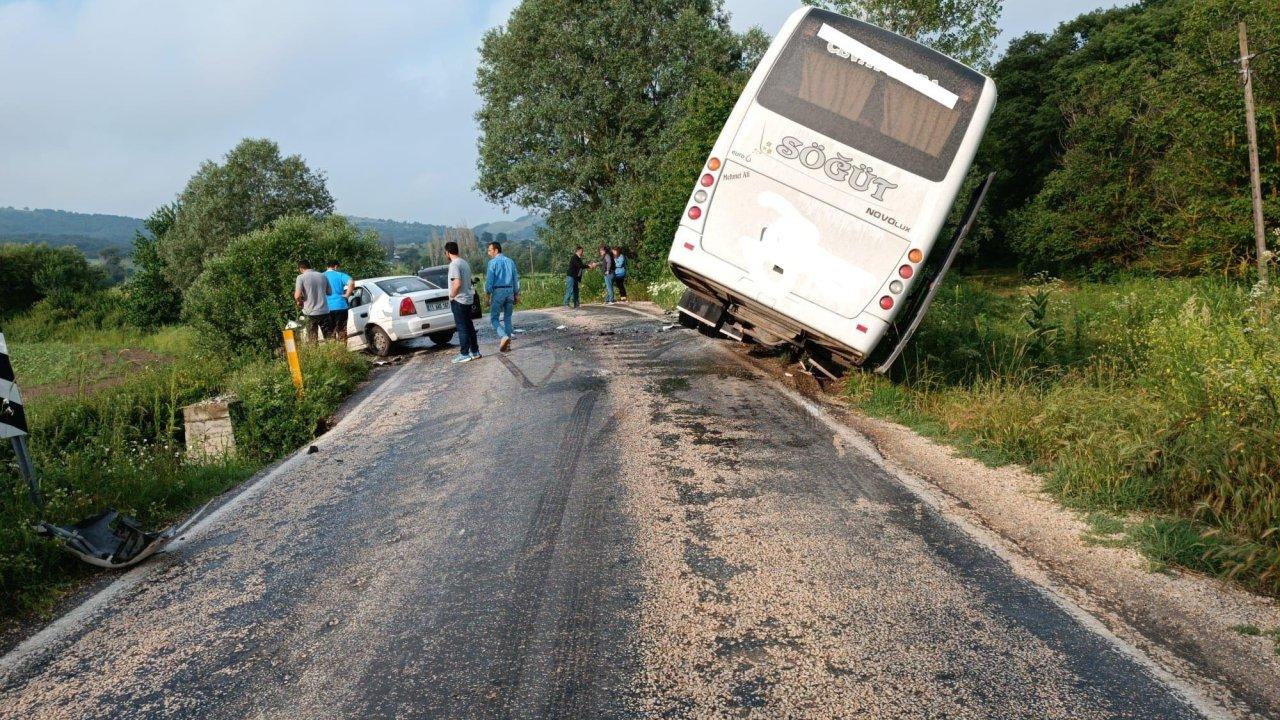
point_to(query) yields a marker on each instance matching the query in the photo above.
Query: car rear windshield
(821, 85)
(404, 285)
(435, 277)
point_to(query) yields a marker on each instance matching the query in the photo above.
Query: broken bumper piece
(109, 539)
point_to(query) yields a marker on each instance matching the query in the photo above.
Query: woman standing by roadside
(620, 273)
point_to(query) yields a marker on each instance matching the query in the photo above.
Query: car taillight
(916, 255)
(886, 302)
(407, 308)
(713, 164)
(707, 180)
(906, 271)
(695, 212)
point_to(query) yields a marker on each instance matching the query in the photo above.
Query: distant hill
(93, 232)
(89, 232)
(402, 232)
(521, 229)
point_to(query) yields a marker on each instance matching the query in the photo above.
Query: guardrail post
(291, 353)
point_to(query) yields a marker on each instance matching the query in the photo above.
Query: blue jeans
(502, 302)
(570, 290)
(608, 287)
(468, 344)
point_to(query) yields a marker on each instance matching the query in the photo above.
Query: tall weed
(1148, 395)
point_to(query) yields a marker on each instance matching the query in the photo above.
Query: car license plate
(432, 307)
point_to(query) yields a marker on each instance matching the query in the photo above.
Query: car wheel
(442, 338)
(379, 341)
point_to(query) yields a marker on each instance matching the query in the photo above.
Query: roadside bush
(244, 297)
(272, 418)
(32, 273)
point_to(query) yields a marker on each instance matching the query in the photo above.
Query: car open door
(357, 318)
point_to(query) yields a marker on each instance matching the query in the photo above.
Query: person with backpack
(620, 273)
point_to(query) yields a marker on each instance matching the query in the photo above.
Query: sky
(110, 105)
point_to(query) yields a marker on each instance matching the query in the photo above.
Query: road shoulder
(1186, 623)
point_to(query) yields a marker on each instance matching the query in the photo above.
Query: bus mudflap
(698, 307)
(905, 325)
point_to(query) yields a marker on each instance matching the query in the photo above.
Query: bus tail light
(688, 246)
(695, 212)
(916, 255)
(713, 164)
(895, 287)
(707, 180)
(906, 271)
(700, 196)
(407, 308)
(886, 303)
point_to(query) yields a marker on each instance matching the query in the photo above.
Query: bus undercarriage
(714, 308)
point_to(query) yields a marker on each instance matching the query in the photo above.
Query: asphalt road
(611, 520)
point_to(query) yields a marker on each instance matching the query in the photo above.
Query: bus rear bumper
(735, 314)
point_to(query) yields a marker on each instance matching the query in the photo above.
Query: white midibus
(815, 216)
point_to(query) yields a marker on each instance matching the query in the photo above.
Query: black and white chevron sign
(13, 421)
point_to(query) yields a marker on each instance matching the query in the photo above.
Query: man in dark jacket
(573, 277)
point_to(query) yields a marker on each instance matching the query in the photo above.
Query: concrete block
(210, 434)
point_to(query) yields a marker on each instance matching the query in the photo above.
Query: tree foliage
(1119, 140)
(963, 29)
(151, 299)
(252, 188)
(244, 296)
(31, 273)
(579, 99)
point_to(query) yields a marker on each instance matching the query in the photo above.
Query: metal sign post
(13, 424)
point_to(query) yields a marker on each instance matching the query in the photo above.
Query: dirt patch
(113, 366)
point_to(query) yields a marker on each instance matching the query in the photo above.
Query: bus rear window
(844, 96)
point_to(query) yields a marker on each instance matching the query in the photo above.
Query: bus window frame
(954, 76)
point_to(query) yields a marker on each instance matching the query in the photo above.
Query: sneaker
(504, 343)
(476, 356)
(462, 359)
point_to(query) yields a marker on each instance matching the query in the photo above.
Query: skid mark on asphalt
(516, 372)
(536, 550)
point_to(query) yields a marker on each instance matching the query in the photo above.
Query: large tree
(1121, 139)
(964, 29)
(577, 96)
(245, 294)
(250, 189)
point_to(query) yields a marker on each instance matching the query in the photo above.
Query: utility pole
(1255, 175)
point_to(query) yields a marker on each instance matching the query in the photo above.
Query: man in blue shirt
(341, 287)
(502, 283)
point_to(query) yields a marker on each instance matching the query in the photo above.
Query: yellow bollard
(291, 352)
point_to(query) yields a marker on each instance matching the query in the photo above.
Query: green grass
(120, 444)
(543, 290)
(1149, 396)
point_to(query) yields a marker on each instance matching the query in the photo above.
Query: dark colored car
(438, 275)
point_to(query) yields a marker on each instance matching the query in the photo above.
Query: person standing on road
(461, 296)
(620, 273)
(606, 267)
(310, 291)
(502, 283)
(341, 288)
(573, 277)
